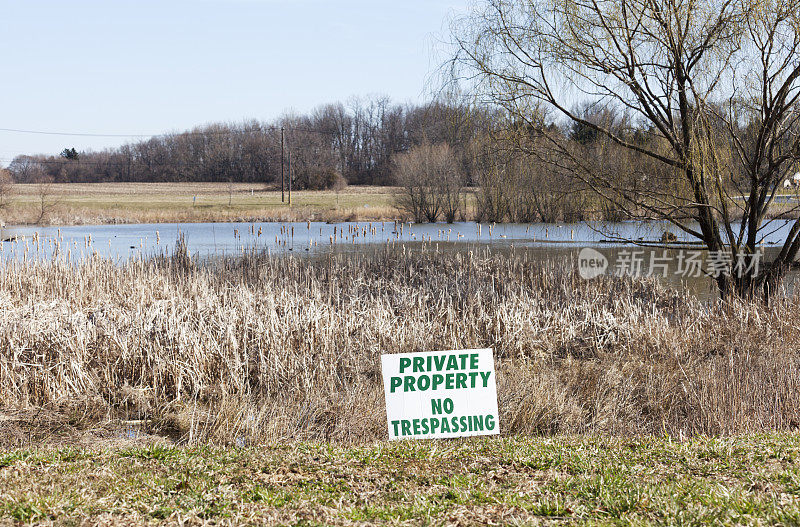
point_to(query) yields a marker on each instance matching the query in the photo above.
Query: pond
(646, 256)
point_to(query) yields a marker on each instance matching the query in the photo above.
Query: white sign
(440, 394)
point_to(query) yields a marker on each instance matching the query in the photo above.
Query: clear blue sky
(148, 66)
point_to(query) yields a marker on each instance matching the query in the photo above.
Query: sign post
(440, 394)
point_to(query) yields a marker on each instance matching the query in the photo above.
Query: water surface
(207, 240)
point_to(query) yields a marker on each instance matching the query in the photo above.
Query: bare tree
(47, 199)
(431, 182)
(714, 83)
(25, 169)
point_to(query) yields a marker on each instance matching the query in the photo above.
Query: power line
(169, 134)
(51, 159)
(72, 134)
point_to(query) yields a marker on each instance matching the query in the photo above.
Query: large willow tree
(712, 83)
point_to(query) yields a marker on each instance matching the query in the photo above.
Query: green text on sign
(440, 394)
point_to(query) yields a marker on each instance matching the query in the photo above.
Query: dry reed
(270, 347)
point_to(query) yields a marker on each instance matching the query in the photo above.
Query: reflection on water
(544, 241)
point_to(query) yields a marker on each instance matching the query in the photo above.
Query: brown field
(99, 203)
(109, 203)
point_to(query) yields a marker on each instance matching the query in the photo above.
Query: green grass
(581, 480)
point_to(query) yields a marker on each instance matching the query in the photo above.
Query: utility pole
(282, 164)
(290, 178)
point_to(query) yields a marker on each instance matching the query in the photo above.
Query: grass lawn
(158, 202)
(582, 480)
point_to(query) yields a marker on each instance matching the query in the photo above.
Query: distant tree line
(441, 156)
(356, 141)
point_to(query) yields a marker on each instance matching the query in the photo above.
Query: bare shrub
(431, 183)
(524, 179)
(46, 198)
(494, 195)
(339, 184)
(6, 188)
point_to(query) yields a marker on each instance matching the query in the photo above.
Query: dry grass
(273, 348)
(103, 203)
